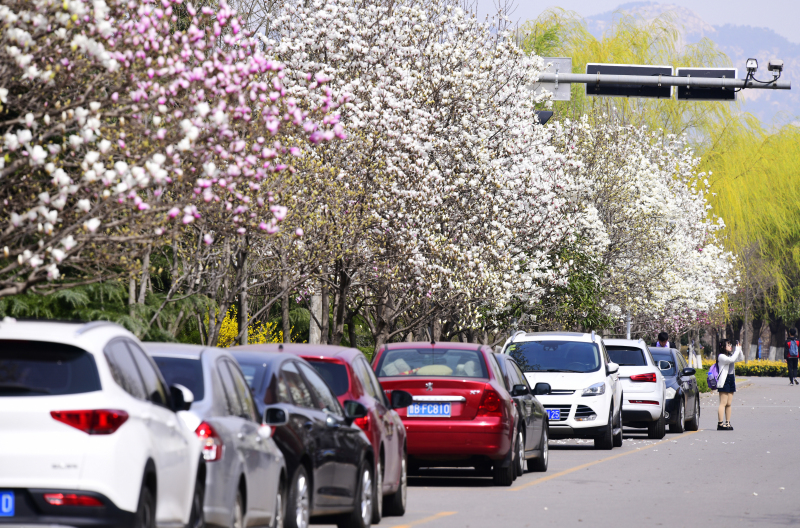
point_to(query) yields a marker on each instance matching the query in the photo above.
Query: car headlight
(595, 390)
(670, 393)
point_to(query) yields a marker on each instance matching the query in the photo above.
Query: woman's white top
(726, 364)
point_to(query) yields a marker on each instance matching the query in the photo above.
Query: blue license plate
(6, 503)
(554, 414)
(431, 410)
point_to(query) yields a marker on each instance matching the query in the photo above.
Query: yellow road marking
(589, 464)
(426, 519)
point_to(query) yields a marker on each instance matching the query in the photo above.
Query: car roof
(179, 350)
(627, 342)
(568, 336)
(662, 349)
(438, 344)
(80, 334)
(304, 349)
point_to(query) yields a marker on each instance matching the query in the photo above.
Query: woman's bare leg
(723, 396)
(728, 406)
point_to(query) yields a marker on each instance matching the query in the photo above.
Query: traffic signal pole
(662, 80)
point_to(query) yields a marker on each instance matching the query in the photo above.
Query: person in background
(792, 353)
(726, 381)
(663, 340)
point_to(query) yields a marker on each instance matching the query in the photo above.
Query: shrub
(756, 367)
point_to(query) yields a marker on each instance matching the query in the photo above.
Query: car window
(124, 370)
(520, 375)
(605, 352)
(183, 371)
(665, 356)
(498, 372)
(681, 361)
(513, 379)
(243, 392)
(334, 374)
(626, 356)
(282, 390)
(233, 405)
(253, 373)
(35, 368)
(381, 395)
(556, 356)
(362, 373)
(326, 401)
(427, 361)
(299, 391)
(156, 392)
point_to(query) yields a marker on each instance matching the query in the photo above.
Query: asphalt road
(746, 477)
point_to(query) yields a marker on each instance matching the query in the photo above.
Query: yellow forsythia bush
(756, 367)
(257, 333)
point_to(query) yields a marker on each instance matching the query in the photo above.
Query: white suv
(90, 433)
(643, 385)
(585, 396)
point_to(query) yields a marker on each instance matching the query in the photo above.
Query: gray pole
(628, 325)
(660, 80)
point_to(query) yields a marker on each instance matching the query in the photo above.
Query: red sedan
(348, 373)
(462, 414)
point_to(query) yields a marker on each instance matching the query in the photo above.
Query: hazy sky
(782, 16)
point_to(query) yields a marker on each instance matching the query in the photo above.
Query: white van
(585, 397)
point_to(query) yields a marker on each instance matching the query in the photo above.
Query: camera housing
(751, 65)
(775, 65)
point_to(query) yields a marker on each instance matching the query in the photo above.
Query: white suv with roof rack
(91, 434)
(585, 398)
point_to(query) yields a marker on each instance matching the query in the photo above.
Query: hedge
(756, 367)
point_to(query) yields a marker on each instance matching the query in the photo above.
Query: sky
(782, 16)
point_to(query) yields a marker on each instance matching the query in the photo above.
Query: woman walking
(727, 376)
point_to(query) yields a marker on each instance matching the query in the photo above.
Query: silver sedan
(246, 473)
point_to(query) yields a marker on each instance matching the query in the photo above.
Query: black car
(533, 418)
(329, 458)
(682, 400)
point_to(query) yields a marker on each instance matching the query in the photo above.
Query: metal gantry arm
(663, 80)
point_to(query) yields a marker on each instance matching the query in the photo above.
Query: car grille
(561, 392)
(583, 411)
(564, 411)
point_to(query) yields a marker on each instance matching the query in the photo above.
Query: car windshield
(440, 362)
(183, 371)
(252, 372)
(626, 356)
(38, 368)
(664, 356)
(334, 374)
(555, 356)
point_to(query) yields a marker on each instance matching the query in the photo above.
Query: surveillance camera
(752, 65)
(775, 65)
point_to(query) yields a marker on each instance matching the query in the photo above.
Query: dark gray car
(682, 398)
(245, 469)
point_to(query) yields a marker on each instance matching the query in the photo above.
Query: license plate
(6, 503)
(554, 414)
(431, 410)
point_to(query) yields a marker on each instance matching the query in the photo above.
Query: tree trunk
(287, 325)
(778, 332)
(314, 328)
(145, 277)
(131, 295)
(756, 326)
(340, 309)
(244, 307)
(325, 317)
(351, 329)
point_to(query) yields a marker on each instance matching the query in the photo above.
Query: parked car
(328, 457)
(642, 384)
(533, 444)
(90, 433)
(351, 378)
(245, 471)
(461, 415)
(682, 397)
(585, 400)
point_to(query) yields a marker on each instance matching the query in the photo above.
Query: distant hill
(739, 43)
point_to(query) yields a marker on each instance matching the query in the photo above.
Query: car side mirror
(353, 410)
(688, 371)
(612, 368)
(664, 365)
(520, 390)
(541, 388)
(182, 398)
(401, 399)
(275, 416)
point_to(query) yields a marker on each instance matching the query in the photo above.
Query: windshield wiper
(18, 387)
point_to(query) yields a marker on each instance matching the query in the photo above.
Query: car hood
(565, 380)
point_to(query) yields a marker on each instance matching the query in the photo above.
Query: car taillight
(491, 404)
(364, 423)
(94, 421)
(71, 499)
(649, 377)
(212, 443)
(646, 402)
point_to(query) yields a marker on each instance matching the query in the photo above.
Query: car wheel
(606, 439)
(656, 430)
(196, 517)
(238, 510)
(377, 494)
(361, 516)
(395, 504)
(504, 476)
(520, 465)
(540, 463)
(694, 423)
(618, 436)
(146, 511)
(677, 427)
(297, 501)
(277, 514)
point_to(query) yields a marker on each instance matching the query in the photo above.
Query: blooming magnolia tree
(120, 127)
